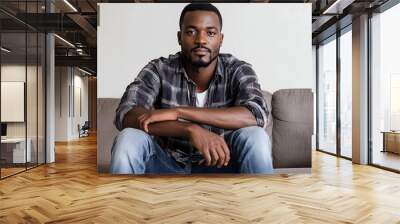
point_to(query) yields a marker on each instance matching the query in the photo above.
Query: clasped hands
(210, 145)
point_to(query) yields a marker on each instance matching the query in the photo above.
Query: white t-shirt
(200, 101)
(201, 98)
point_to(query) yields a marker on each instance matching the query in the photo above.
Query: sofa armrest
(106, 132)
(293, 114)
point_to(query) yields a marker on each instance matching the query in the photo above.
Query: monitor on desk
(3, 130)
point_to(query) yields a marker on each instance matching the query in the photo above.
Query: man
(197, 111)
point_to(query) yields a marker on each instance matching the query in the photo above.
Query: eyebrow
(208, 27)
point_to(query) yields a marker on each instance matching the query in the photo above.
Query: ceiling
(76, 20)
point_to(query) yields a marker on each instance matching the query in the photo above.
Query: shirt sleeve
(142, 92)
(248, 93)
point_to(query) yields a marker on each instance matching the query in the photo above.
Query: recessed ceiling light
(84, 71)
(337, 7)
(70, 5)
(5, 50)
(64, 40)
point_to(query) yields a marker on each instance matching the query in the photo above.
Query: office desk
(13, 150)
(391, 141)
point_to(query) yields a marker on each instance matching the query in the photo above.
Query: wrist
(179, 112)
(191, 128)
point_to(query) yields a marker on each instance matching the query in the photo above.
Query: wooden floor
(71, 191)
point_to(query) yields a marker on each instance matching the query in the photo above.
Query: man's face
(200, 37)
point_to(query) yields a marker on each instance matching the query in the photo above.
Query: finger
(201, 162)
(140, 123)
(146, 124)
(214, 155)
(227, 152)
(221, 154)
(207, 156)
(140, 120)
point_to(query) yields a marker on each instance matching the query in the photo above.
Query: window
(327, 97)
(385, 89)
(346, 94)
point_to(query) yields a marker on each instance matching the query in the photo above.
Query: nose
(201, 38)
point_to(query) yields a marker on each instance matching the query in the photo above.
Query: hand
(157, 116)
(212, 146)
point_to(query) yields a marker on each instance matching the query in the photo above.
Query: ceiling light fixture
(86, 72)
(70, 5)
(64, 40)
(337, 7)
(5, 50)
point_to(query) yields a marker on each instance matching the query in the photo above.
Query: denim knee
(252, 146)
(131, 139)
(253, 134)
(255, 139)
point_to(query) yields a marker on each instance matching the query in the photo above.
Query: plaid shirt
(164, 83)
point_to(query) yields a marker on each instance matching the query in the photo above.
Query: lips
(200, 51)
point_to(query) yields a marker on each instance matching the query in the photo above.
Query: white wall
(274, 38)
(67, 80)
(80, 83)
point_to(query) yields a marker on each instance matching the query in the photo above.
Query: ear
(222, 39)
(178, 35)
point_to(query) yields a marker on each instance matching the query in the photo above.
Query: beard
(200, 62)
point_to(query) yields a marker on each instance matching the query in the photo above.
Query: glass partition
(13, 95)
(41, 107)
(32, 95)
(22, 78)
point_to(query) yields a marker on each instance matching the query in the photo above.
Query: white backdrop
(274, 38)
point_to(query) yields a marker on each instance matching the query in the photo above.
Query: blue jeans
(135, 152)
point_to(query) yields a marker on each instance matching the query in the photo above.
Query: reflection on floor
(10, 169)
(386, 159)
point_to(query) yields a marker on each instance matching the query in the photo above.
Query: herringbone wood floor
(71, 191)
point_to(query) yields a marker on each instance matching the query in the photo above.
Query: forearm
(227, 118)
(164, 128)
(172, 128)
(131, 118)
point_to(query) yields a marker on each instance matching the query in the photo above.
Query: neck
(201, 75)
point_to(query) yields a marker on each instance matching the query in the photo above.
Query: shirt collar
(181, 69)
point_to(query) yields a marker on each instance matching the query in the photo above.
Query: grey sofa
(291, 128)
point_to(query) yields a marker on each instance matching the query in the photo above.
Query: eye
(190, 32)
(211, 33)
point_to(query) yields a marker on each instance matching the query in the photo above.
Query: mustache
(200, 47)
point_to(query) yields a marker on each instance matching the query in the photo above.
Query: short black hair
(202, 6)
